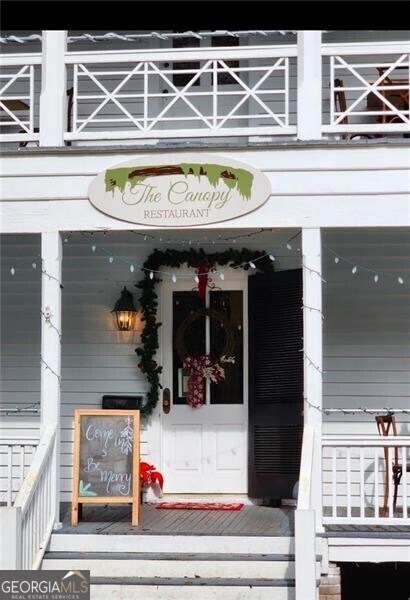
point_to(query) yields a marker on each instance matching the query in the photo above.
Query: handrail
(351, 48)
(306, 467)
(30, 483)
(31, 441)
(371, 442)
(182, 54)
(10, 60)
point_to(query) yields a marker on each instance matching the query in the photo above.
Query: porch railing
(369, 87)
(36, 503)
(16, 457)
(210, 92)
(358, 484)
(20, 81)
(181, 93)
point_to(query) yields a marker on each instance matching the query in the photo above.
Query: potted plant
(152, 482)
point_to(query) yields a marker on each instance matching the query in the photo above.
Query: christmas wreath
(149, 300)
(205, 366)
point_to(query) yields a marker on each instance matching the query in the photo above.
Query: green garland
(149, 304)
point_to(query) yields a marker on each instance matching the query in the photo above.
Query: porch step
(169, 565)
(191, 589)
(174, 544)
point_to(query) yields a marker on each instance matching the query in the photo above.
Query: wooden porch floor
(116, 520)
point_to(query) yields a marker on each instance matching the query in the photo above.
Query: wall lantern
(124, 311)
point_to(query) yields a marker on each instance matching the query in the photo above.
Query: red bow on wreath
(201, 368)
(202, 272)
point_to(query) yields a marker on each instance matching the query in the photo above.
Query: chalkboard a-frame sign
(106, 459)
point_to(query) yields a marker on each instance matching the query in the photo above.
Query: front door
(204, 449)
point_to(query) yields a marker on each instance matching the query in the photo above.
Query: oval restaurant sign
(179, 190)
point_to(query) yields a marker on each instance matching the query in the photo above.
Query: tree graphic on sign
(126, 437)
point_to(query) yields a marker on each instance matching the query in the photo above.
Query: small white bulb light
(132, 268)
(93, 248)
(376, 278)
(174, 278)
(272, 258)
(400, 280)
(13, 271)
(252, 265)
(337, 259)
(151, 275)
(34, 265)
(221, 275)
(354, 270)
(288, 246)
(196, 279)
(111, 259)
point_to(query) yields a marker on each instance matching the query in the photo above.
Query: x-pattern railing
(11, 102)
(379, 88)
(215, 108)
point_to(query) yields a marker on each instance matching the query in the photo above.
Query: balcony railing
(20, 80)
(210, 93)
(202, 93)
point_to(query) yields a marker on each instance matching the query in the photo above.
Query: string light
(360, 410)
(252, 265)
(34, 265)
(33, 408)
(47, 316)
(132, 268)
(48, 368)
(337, 258)
(313, 308)
(313, 271)
(151, 275)
(174, 278)
(318, 369)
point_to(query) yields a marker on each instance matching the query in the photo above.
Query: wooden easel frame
(78, 501)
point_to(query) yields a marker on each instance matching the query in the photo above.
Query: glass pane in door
(230, 303)
(185, 303)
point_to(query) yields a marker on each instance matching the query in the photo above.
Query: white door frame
(235, 279)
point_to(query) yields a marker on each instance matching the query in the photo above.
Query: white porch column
(312, 346)
(309, 78)
(53, 98)
(51, 255)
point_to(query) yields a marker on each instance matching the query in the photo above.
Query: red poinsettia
(149, 475)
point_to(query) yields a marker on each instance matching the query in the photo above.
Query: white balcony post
(51, 255)
(53, 98)
(309, 78)
(312, 349)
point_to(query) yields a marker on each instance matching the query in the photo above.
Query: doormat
(200, 505)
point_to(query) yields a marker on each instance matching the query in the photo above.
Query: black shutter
(275, 383)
